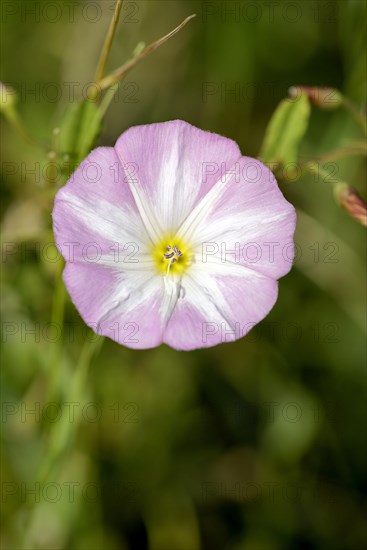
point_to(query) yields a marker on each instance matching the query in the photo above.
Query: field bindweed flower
(172, 236)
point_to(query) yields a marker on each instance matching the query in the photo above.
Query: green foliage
(70, 127)
(286, 129)
(253, 445)
(80, 129)
(90, 128)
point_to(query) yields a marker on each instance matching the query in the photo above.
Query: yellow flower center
(172, 256)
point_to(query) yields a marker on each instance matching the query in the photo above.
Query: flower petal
(219, 305)
(245, 219)
(123, 307)
(173, 165)
(95, 216)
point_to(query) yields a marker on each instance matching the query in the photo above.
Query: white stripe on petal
(202, 288)
(170, 294)
(203, 208)
(177, 164)
(215, 266)
(205, 296)
(237, 228)
(176, 191)
(148, 217)
(107, 220)
(130, 293)
(144, 262)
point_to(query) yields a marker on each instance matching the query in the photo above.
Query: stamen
(172, 254)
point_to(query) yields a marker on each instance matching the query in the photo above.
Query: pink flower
(173, 236)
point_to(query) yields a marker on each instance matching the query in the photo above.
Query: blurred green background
(258, 444)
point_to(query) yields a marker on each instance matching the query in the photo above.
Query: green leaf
(285, 131)
(90, 128)
(81, 126)
(92, 122)
(69, 128)
(79, 129)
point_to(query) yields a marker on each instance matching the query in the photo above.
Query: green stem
(358, 148)
(353, 149)
(108, 42)
(63, 434)
(57, 318)
(107, 100)
(314, 168)
(60, 438)
(358, 116)
(120, 73)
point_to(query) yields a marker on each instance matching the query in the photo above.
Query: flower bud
(322, 97)
(350, 199)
